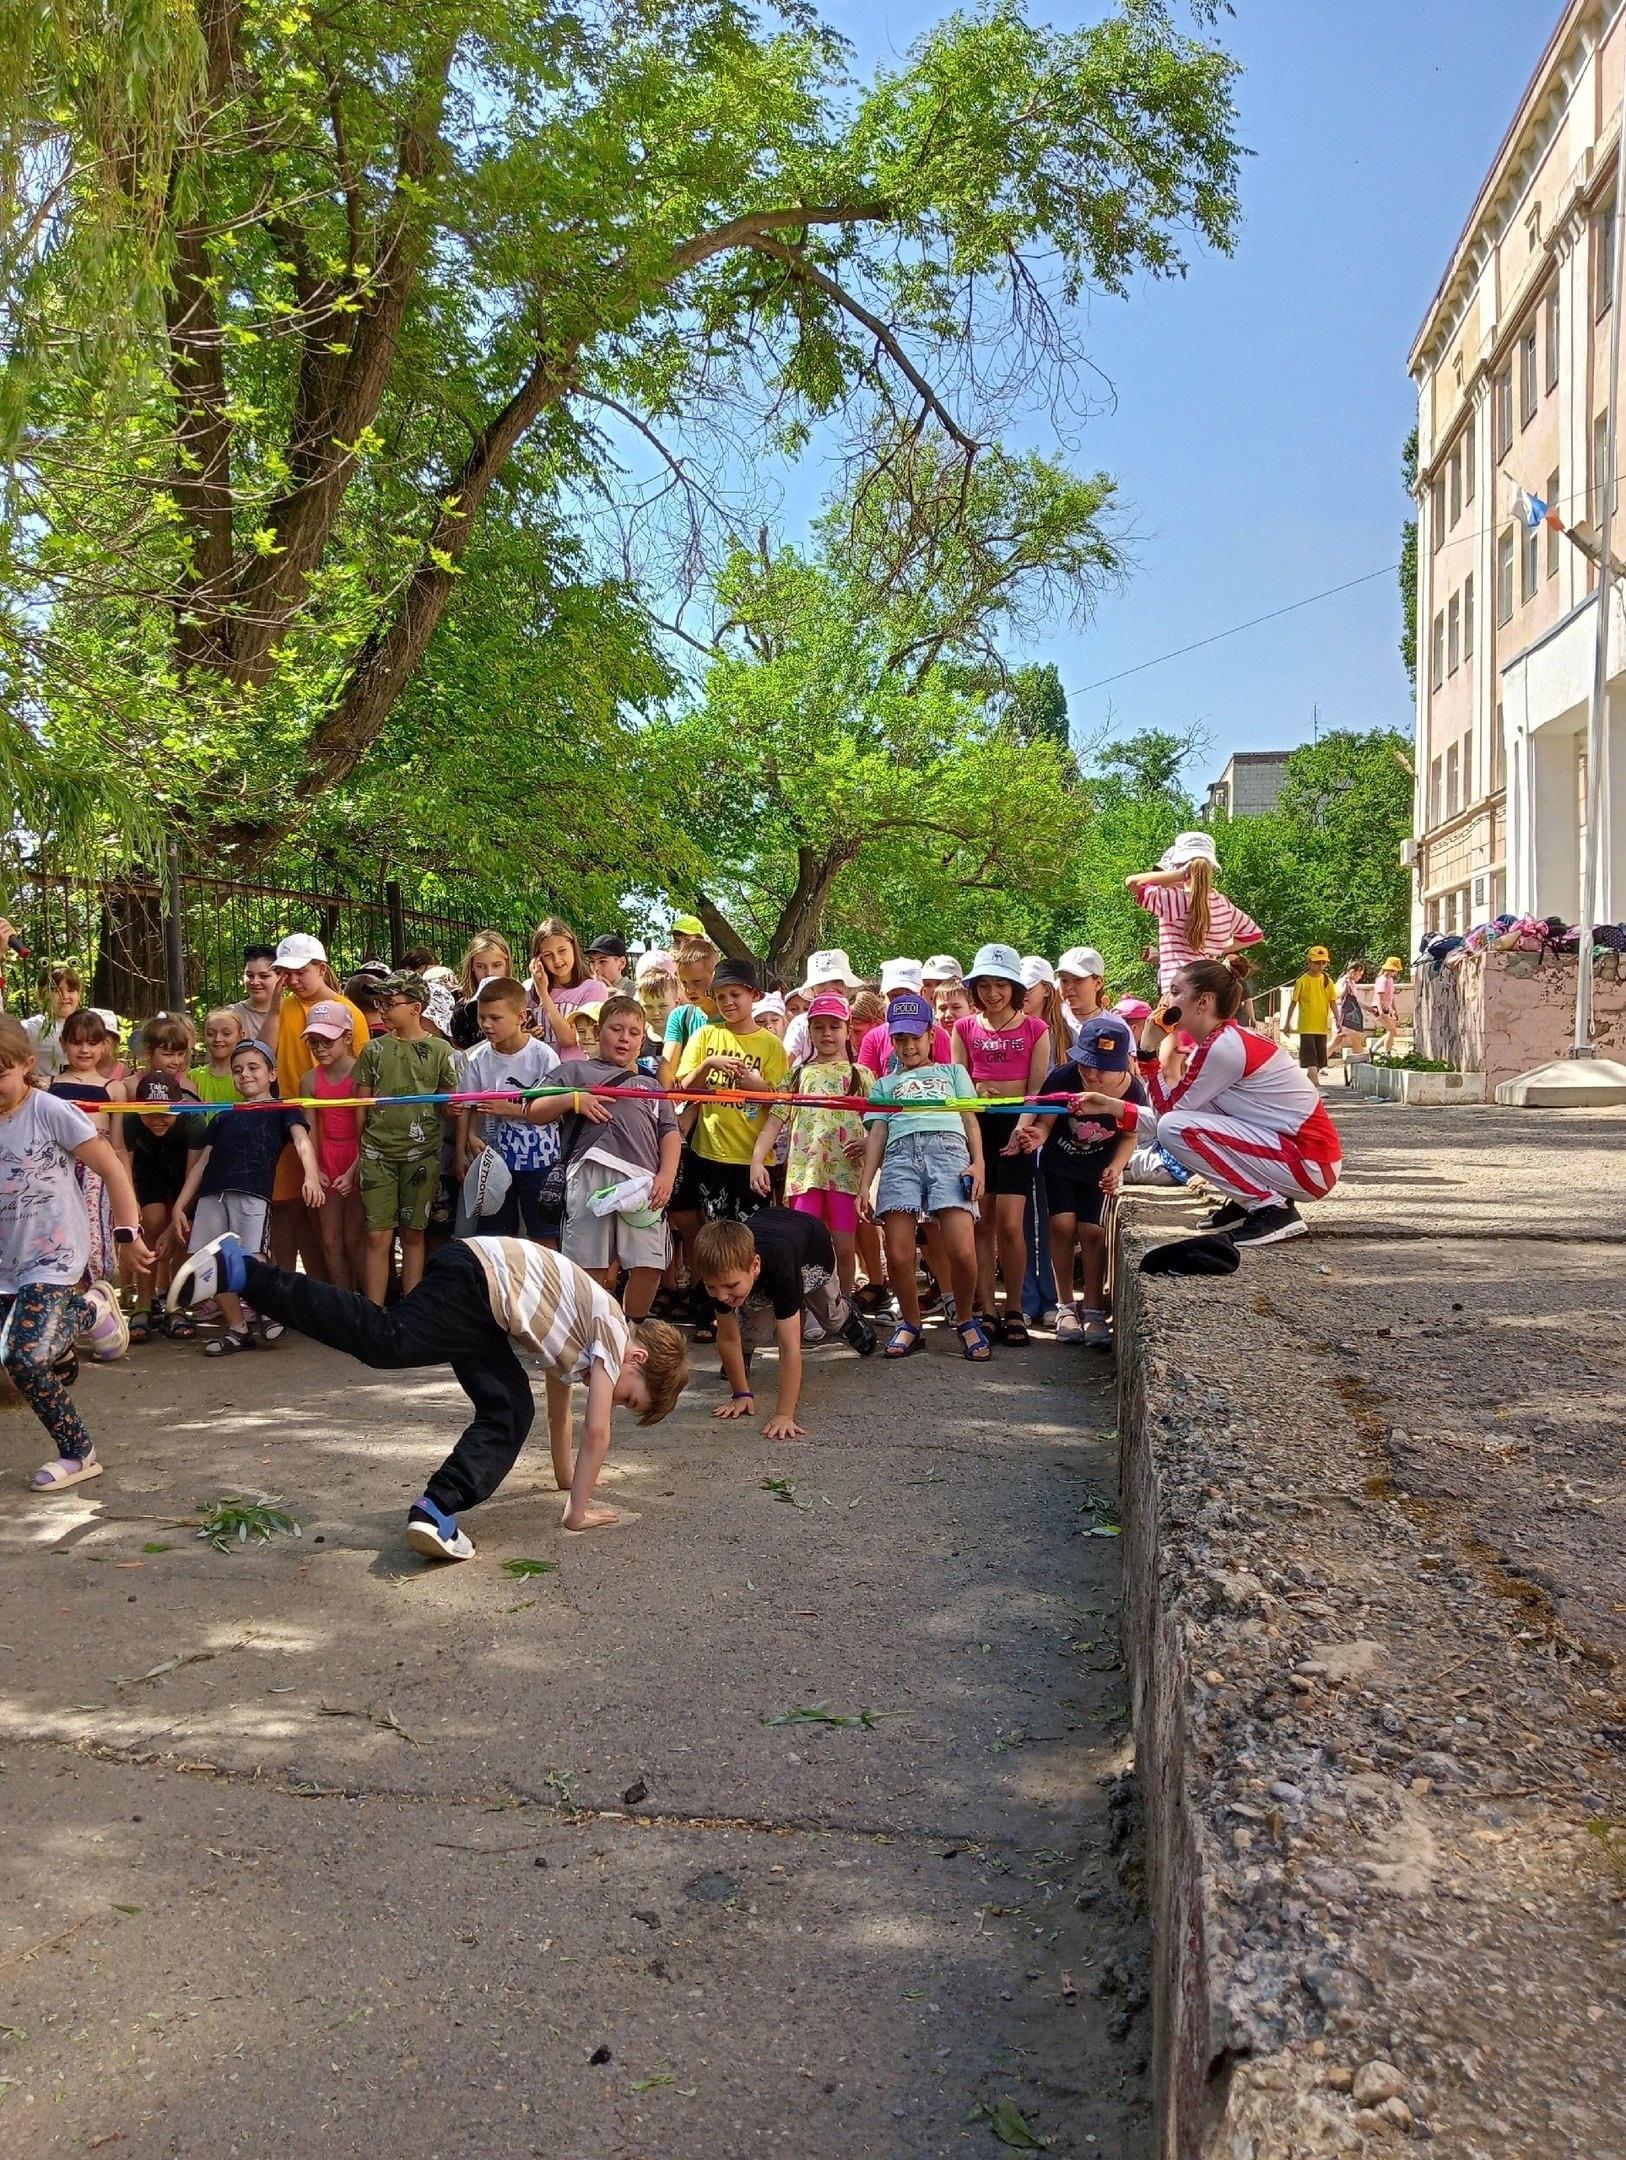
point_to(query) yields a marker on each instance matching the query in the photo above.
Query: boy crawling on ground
(761, 1277)
(477, 1299)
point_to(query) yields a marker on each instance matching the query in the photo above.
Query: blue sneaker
(220, 1265)
(431, 1531)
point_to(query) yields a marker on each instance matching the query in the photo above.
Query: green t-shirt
(210, 1087)
(926, 1085)
(388, 1066)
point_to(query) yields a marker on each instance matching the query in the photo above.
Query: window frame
(1436, 652)
(1529, 384)
(1506, 549)
(1468, 618)
(1502, 413)
(1603, 260)
(1453, 634)
(1550, 325)
(1529, 563)
(1468, 482)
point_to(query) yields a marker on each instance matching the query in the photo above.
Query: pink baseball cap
(329, 1018)
(829, 1005)
(1132, 1008)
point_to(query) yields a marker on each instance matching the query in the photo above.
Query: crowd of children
(655, 1142)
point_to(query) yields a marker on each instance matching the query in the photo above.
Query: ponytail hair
(1055, 1016)
(1212, 978)
(1201, 880)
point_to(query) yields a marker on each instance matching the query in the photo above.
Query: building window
(1453, 779)
(1456, 484)
(1436, 515)
(1435, 794)
(1436, 672)
(1600, 446)
(1549, 323)
(1468, 460)
(1553, 534)
(1504, 578)
(1530, 563)
(1498, 777)
(1529, 389)
(1498, 898)
(1467, 768)
(1603, 259)
(1453, 635)
(1468, 617)
(1503, 395)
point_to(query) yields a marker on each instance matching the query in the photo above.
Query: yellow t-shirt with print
(727, 1132)
(1314, 997)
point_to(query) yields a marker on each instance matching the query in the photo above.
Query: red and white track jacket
(1240, 1075)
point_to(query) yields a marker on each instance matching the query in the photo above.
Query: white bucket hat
(1081, 960)
(298, 950)
(1189, 847)
(1001, 960)
(827, 967)
(901, 975)
(1036, 970)
(485, 1187)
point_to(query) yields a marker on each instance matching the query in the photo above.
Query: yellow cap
(1318, 952)
(688, 926)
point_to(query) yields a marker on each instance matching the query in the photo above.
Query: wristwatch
(124, 1234)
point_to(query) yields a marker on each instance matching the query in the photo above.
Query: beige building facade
(1510, 366)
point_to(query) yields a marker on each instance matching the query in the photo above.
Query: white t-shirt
(44, 1230)
(488, 1070)
(46, 1035)
(553, 1307)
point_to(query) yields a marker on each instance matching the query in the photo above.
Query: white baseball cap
(1036, 970)
(942, 967)
(298, 950)
(1081, 960)
(827, 967)
(1189, 847)
(772, 1003)
(657, 961)
(901, 975)
(1002, 960)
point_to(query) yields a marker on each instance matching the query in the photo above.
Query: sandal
(872, 1299)
(66, 1470)
(1069, 1327)
(931, 1297)
(181, 1327)
(1014, 1332)
(903, 1341)
(229, 1344)
(272, 1330)
(141, 1327)
(973, 1342)
(992, 1326)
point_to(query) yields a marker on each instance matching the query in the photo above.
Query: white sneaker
(431, 1531)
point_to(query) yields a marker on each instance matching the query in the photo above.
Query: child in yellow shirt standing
(1312, 1003)
(730, 1053)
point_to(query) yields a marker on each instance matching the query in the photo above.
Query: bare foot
(591, 1518)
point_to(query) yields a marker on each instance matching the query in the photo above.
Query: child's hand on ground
(780, 1427)
(737, 1406)
(760, 1181)
(589, 1518)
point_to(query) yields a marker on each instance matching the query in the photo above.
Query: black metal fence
(146, 940)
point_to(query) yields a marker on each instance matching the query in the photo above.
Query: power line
(1253, 623)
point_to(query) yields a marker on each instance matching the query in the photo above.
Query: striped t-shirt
(1228, 928)
(553, 1307)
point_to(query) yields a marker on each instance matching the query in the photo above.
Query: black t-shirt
(1080, 1146)
(166, 1148)
(243, 1149)
(787, 1242)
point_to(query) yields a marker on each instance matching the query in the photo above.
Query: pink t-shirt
(1001, 1054)
(1228, 928)
(875, 1051)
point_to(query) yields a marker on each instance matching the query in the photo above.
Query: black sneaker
(1227, 1216)
(1271, 1226)
(859, 1335)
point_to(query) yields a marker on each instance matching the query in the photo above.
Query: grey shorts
(920, 1174)
(597, 1241)
(821, 1296)
(239, 1212)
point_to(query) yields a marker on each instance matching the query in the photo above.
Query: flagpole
(1598, 714)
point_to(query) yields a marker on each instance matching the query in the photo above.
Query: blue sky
(1262, 403)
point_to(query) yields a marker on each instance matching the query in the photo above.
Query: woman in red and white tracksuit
(1242, 1115)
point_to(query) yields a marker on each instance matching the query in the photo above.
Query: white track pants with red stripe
(1246, 1162)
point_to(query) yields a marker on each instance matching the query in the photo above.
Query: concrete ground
(318, 1848)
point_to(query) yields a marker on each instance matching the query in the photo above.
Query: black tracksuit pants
(447, 1320)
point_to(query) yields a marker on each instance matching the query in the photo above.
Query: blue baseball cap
(909, 1014)
(1106, 1043)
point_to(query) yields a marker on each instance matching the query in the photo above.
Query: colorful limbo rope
(1009, 1105)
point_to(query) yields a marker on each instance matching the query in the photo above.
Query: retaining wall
(1502, 1013)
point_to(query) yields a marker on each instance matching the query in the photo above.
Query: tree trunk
(801, 920)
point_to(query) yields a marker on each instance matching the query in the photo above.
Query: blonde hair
(16, 1046)
(484, 941)
(665, 1367)
(658, 993)
(691, 949)
(1200, 879)
(866, 1009)
(722, 1248)
(224, 1012)
(1058, 1020)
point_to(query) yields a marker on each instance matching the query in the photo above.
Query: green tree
(1035, 705)
(298, 301)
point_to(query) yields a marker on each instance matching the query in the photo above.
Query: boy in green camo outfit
(401, 1143)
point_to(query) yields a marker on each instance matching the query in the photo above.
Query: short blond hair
(665, 1367)
(723, 1248)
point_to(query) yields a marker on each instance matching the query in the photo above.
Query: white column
(1489, 516)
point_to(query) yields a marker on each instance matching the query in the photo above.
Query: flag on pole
(1533, 513)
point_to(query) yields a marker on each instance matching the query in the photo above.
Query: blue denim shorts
(920, 1174)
